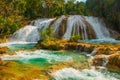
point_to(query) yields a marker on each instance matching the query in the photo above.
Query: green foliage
(6, 27)
(10, 16)
(46, 35)
(73, 7)
(13, 27)
(74, 38)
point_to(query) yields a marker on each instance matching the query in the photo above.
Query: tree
(80, 8)
(9, 16)
(69, 6)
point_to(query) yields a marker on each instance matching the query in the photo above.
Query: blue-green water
(26, 46)
(108, 41)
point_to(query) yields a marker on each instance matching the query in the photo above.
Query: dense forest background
(16, 13)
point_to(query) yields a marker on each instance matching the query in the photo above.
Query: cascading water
(27, 34)
(42, 24)
(30, 33)
(74, 24)
(86, 74)
(99, 27)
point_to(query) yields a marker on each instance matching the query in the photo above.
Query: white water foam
(73, 74)
(26, 55)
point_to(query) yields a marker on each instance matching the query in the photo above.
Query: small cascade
(26, 34)
(74, 25)
(99, 27)
(93, 52)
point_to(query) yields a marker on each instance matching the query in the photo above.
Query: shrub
(74, 38)
(47, 34)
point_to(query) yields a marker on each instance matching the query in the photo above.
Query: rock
(114, 61)
(4, 50)
(114, 34)
(100, 60)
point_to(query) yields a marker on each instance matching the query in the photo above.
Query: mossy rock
(10, 70)
(4, 50)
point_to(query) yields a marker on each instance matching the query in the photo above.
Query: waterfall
(75, 25)
(99, 27)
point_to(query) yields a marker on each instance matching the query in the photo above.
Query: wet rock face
(59, 33)
(114, 60)
(90, 31)
(114, 34)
